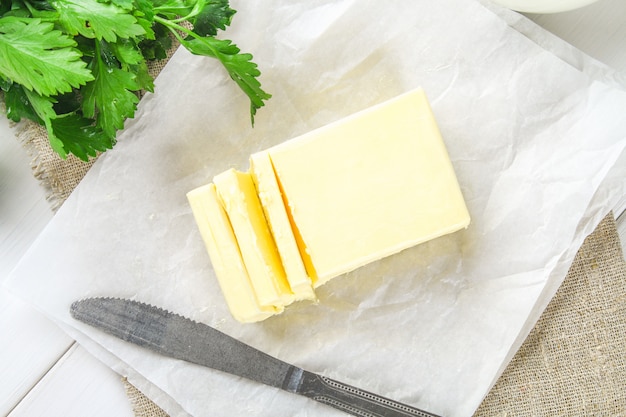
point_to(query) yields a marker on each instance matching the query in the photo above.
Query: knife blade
(178, 337)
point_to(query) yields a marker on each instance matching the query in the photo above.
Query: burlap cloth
(573, 362)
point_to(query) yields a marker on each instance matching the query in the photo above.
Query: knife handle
(353, 400)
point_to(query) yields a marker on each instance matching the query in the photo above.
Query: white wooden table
(44, 372)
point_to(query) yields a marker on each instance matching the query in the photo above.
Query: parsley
(77, 66)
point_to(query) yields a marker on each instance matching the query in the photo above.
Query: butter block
(368, 186)
(276, 214)
(238, 196)
(328, 202)
(223, 249)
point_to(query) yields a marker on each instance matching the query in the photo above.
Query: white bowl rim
(543, 6)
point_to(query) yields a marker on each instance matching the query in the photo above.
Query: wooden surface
(599, 30)
(44, 372)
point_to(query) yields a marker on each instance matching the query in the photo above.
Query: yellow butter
(225, 256)
(274, 209)
(328, 202)
(368, 186)
(238, 196)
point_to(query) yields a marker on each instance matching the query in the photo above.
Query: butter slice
(368, 186)
(225, 256)
(276, 214)
(238, 196)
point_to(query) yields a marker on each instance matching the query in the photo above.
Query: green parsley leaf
(39, 57)
(145, 8)
(43, 107)
(77, 66)
(93, 19)
(124, 4)
(17, 104)
(239, 66)
(80, 137)
(173, 9)
(215, 15)
(110, 97)
(143, 77)
(127, 52)
(157, 47)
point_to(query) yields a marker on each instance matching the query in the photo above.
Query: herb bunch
(76, 66)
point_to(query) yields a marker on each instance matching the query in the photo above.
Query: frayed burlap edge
(142, 406)
(57, 176)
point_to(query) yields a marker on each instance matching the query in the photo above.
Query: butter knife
(178, 337)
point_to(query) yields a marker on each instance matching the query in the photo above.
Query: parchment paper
(534, 142)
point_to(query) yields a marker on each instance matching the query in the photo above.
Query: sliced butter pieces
(281, 229)
(223, 250)
(238, 195)
(328, 202)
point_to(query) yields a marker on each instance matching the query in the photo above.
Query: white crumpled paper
(534, 142)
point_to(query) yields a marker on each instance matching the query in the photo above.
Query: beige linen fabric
(58, 176)
(572, 363)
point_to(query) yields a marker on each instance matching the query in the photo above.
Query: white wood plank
(43, 371)
(78, 386)
(598, 30)
(29, 346)
(24, 211)
(30, 343)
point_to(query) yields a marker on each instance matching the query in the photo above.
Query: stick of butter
(368, 186)
(339, 197)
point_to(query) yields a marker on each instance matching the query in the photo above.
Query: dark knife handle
(353, 400)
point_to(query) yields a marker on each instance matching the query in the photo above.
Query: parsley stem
(164, 9)
(42, 15)
(175, 28)
(30, 8)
